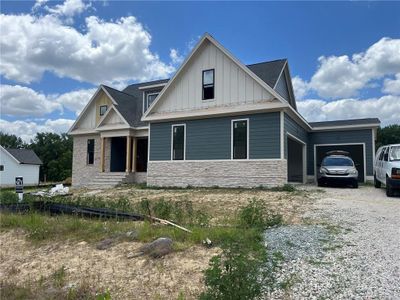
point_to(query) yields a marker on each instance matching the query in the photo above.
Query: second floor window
(150, 99)
(103, 109)
(208, 84)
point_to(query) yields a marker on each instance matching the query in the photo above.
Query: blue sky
(53, 53)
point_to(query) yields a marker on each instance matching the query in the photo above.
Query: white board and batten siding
(12, 169)
(232, 85)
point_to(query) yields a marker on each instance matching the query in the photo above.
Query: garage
(295, 160)
(357, 153)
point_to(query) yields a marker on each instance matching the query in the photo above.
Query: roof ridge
(118, 90)
(267, 61)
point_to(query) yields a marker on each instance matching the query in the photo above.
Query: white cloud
(342, 76)
(38, 4)
(386, 108)
(75, 100)
(104, 52)
(28, 129)
(22, 101)
(176, 57)
(69, 8)
(392, 86)
(300, 87)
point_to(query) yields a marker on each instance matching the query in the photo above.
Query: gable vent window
(178, 142)
(208, 84)
(90, 152)
(1, 167)
(240, 139)
(150, 99)
(103, 109)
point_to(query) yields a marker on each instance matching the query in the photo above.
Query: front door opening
(118, 154)
(141, 154)
(295, 160)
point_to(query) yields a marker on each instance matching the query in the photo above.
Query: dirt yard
(177, 274)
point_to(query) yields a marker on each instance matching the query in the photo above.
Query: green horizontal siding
(209, 139)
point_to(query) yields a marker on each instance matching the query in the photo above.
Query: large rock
(155, 249)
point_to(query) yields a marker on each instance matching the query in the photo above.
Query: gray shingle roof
(268, 71)
(365, 121)
(25, 156)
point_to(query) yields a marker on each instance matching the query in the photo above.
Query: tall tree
(55, 151)
(388, 135)
(11, 141)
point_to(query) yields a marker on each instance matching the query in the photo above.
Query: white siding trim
(282, 125)
(248, 138)
(148, 144)
(172, 141)
(339, 144)
(365, 126)
(152, 86)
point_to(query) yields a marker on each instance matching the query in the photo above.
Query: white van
(387, 168)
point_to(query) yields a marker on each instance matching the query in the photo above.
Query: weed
(255, 215)
(235, 274)
(59, 277)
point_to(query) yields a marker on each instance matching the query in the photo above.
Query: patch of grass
(8, 197)
(59, 277)
(289, 282)
(319, 262)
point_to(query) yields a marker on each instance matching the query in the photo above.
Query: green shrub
(252, 215)
(284, 188)
(256, 215)
(237, 273)
(8, 197)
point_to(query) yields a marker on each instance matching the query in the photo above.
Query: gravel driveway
(349, 247)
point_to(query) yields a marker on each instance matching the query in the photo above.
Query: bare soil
(178, 273)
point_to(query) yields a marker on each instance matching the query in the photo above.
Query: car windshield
(337, 161)
(394, 153)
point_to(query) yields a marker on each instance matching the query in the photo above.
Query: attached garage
(356, 152)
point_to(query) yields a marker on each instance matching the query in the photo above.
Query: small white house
(18, 162)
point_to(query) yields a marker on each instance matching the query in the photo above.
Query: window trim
(247, 140)
(106, 106)
(184, 141)
(146, 101)
(202, 85)
(87, 152)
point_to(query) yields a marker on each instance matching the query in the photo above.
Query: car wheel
(389, 189)
(355, 184)
(377, 183)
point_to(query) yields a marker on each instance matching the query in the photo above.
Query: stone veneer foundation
(82, 173)
(223, 173)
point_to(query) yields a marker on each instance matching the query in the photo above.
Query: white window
(240, 139)
(178, 142)
(150, 99)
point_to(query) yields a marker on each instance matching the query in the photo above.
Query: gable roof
(24, 156)
(209, 38)
(350, 122)
(268, 71)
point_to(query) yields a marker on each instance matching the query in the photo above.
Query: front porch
(123, 159)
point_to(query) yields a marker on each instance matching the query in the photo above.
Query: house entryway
(118, 154)
(141, 154)
(295, 160)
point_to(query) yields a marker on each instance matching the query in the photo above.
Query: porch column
(102, 152)
(134, 155)
(128, 154)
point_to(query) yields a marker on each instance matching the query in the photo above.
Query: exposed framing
(172, 141)
(304, 153)
(340, 144)
(247, 142)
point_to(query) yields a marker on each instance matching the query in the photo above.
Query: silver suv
(337, 167)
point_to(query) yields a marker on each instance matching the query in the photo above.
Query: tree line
(55, 150)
